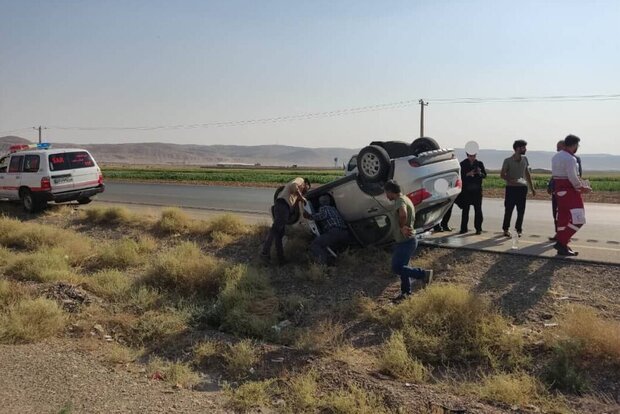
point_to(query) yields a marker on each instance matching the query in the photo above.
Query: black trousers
(554, 211)
(515, 197)
(473, 199)
(281, 213)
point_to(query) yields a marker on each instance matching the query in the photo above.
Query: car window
(4, 163)
(31, 163)
(70, 161)
(16, 163)
(352, 163)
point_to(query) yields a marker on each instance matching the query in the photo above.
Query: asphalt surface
(598, 240)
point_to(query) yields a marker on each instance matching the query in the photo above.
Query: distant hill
(281, 155)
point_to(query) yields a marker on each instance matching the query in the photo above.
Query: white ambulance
(38, 173)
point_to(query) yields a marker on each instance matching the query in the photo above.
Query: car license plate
(63, 180)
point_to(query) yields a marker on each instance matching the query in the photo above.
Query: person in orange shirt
(292, 194)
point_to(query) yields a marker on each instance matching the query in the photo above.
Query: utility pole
(422, 105)
(39, 128)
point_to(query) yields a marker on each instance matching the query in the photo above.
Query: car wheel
(373, 164)
(295, 214)
(423, 144)
(84, 200)
(31, 205)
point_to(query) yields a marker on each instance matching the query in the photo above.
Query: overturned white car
(428, 175)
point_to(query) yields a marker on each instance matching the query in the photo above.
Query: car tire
(84, 200)
(373, 164)
(295, 213)
(30, 203)
(423, 144)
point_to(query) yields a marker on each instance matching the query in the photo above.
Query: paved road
(599, 240)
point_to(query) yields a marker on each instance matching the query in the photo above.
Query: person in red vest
(567, 189)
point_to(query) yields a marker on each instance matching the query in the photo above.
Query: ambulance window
(31, 163)
(16, 163)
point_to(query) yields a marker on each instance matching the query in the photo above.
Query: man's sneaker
(553, 238)
(438, 228)
(478, 232)
(507, 233)
(519, 233)
(447, 228)
(463, 231)
(428, 277)
(564, 250)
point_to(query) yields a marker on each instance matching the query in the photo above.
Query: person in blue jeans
(406, 243)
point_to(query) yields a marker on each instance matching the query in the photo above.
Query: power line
(347, 111)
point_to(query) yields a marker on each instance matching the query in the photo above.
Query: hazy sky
(163, 63)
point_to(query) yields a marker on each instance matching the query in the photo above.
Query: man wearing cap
(289, 197)
(335, 231)
(472, 174)
(567, 188)
(516, 173)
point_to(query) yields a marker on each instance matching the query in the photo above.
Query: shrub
(247, 304)
(123, 253)
(240, 357)
(227, 224)
(353, 400)
(250, 395)
(326, 335)
(220, 239)
(174, 220)
(144, 297)
(154, 325)
(448, 324)
(30, 320)
(50, 266)
(186, 270)
(598, 337)
(314, 272)
(206, 350)
(11, 293)
(176, 373)
(110, 284)
(302, 392)
(109, 215)
(511, 389)
(395, 360)
(563, 371)
(118, 354)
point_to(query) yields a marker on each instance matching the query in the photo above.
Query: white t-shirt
(564, 165)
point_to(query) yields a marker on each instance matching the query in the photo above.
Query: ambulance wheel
(30, 203)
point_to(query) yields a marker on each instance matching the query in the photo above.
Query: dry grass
(395, 360)
(39, 237)
(111, 216)
(174, 220)
(247, 304)
(250, 396)
(353, 400)
(12, 292)
(42, 266)
(599, 338)
(512, 389)
(31, 320)
(227, 224)
(326, 335)
(302, 391)
(157, 325)
(144, 298)
(205, 351)
(186, 270)
(118, 354)
(449, 324)
(176, 373)
(240, 358)
(124, 253)
(110, 284)
(313, 272)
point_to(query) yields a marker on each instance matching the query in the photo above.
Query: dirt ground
(69, 373)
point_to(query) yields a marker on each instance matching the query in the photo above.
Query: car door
(10, 181)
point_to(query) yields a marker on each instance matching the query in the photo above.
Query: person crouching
(335, 231)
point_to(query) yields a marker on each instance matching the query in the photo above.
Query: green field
(603, 181)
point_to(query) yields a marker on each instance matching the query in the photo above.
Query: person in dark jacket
(472, 174)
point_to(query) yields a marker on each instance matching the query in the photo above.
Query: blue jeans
(400, 264)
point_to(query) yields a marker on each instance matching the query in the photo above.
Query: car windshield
(70, 161)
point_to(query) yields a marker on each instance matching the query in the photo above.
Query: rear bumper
(72, 195)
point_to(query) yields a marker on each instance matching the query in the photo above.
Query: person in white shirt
(567, 189)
